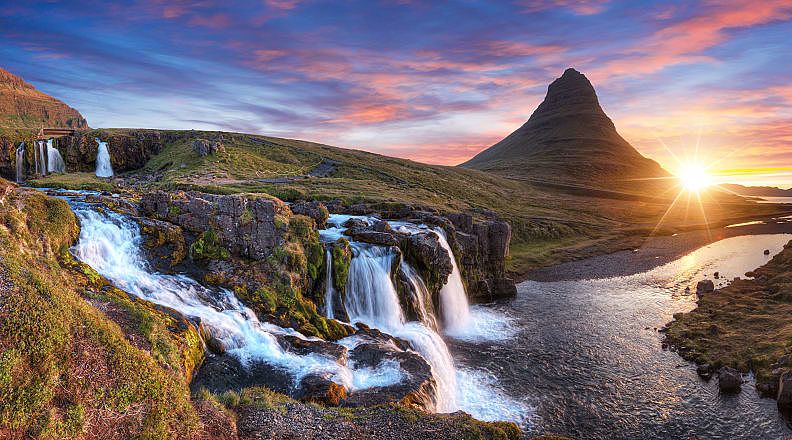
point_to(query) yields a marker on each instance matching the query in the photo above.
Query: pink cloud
(214, 21)
(580, 7)
(685, 40)
(282, 4)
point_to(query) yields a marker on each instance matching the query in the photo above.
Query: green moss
(246, 217)
(342, 258)
(208, 247)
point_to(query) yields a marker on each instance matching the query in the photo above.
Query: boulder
(316, 210)
(705, 286)
(246, 226)
(319, 388)
(704, 371)
(425, 253)
(729, 380)
(784, 397)
(767, 251)
(204, 147)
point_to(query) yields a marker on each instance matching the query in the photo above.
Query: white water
(453, 299)
(329, 283)
(103, 166)
(41, 164)
(426, 312)
(20, 162)
(55, 162)
(110, 244)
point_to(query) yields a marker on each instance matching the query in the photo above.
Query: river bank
(656, 251)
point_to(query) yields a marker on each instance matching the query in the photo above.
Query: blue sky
(431, 81)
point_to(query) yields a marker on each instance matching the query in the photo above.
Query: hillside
(568, 139)
(758, 191)
(24, 107)
(549, 225)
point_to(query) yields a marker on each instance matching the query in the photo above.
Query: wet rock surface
(245, 226)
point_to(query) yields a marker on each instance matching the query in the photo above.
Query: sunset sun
(694, 177)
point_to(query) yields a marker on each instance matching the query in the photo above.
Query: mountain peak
(568, 137)
(22, 106)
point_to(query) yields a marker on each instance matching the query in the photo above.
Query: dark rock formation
(129, 149)
(245, 226)
(316, 210)
(729, 380)
(204, 147)
(425, 253)
(705, 286)
(784, 396)
(483, 248)
(164, 243)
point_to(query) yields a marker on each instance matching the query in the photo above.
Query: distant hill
(757, 191)
(24, 107)
(568, 139)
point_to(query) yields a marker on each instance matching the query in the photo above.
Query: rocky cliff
(24, 107)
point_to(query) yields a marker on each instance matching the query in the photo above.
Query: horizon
(677, 80)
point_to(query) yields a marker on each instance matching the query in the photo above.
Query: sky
(432, 81)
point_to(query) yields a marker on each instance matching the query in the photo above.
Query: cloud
(580, 7)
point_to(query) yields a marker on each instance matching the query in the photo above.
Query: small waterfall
(20, 162)
(426, 312)
(371, 298)
(40, 158)
(103, 166)
(329, 291)
(55, 162)
(453, 299)
(110, 243)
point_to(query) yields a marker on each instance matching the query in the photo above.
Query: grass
(73, 181)
(744, 325)
(66, 370)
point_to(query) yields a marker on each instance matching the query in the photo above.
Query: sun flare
(694, 177)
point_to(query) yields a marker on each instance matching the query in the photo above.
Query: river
(587, 355)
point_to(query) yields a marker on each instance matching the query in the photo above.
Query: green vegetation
(64, 366)
(75, 181)
(744, 325)
(208, 247)
(342, 258)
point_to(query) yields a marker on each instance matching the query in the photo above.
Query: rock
(704, 371)
(316, 210)
(729, 380)
(716, 275)
(215, 345)
(784, 397)
(713, 330)
(164, 246)
(425, 253)
(417, 387)
(767, 251)
(705, 286)
(205, 147)
(244, 225)
(321, 389)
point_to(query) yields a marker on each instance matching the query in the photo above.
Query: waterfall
(20, 162)
(371, 298)
(453, 299)
(55, 162)
(426, 312)
(40, 158)
(329, 283)
(110, 243)
(103, 166)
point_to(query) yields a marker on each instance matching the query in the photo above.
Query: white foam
(480, 396)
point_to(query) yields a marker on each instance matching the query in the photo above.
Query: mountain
(758, 191)
(568, 139)
(22, 106)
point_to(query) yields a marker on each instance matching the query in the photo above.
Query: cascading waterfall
(371, 298)
(55, 162)
(425, 306)
(110, 242)
(103, 166)
(329, 291)
(453, 300)
(40, 158)
(20, 162)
